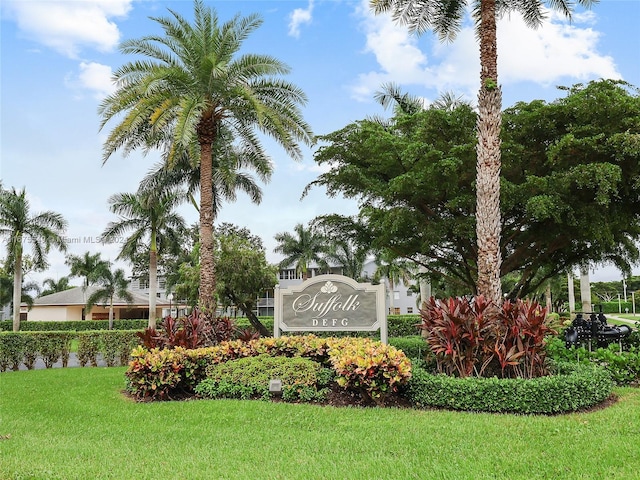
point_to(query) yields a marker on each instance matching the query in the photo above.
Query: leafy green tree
(445, 18)
(86, 266)
(202, 85)
(569, 197)
(306, 247)
(51, 285)
(243, 272)
(19, 226)
(149, 217)
(109, 285)
(565, 164)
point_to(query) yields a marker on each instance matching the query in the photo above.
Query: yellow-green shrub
(366, 366)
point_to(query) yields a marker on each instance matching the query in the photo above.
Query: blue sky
(57, 58)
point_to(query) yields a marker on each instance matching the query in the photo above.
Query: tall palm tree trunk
(207, 267)
(17, 284)
(111, 313)
(153, 280)
(488, 159)
(585, 289)
(572, 295)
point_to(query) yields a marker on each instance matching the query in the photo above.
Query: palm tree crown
(87, 266)
(154, 226)
(191, 84)
(306, 247)
(110, 284)
(17, 225)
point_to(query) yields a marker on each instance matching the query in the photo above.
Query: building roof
(79, 296)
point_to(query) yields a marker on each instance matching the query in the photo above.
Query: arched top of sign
(331, 303)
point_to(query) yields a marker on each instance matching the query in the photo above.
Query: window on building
(396, 295)
(409, 309)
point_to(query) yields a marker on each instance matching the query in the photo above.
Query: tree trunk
(488, 223)
(255, 321)
(585, 289)
(207, 289)
(547, 297)
(17, 285)
(111, 314)
(425, 295)
(572, 295)
(153, 280)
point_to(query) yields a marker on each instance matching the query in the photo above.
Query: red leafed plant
(191, 331)
(474, 337)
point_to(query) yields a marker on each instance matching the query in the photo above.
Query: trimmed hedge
(397, 325)
(571, 388)
(75, 325)
(246, 378)
(413, 346)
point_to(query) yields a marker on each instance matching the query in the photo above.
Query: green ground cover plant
(75, 423)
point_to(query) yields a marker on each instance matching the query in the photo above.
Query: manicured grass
(74, 424)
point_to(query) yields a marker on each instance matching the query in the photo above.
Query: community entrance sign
(330, 303)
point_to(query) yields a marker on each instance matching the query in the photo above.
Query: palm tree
(394, 271)
(110, 284)
(54, 286)
(307, 247)
(18, 225)
(229, 165)
(87, 266)
(446, 17)
(154, 225)
(193, 85)
(349, 256)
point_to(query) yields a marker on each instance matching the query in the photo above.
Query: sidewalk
(619, 319)
(73, 362)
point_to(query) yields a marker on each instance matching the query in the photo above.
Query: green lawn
(74, 424)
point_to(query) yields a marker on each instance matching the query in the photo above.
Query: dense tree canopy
(570, 185)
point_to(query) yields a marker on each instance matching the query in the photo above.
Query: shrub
(475, 337)
(413, 346)
(191, 331)
(30, 349)
(370, 368)
(155, 374)
(249, 378)
(572, 388)
(11, 350)
(88, 348)
(623, 366)
(53, 346)
(366, 366)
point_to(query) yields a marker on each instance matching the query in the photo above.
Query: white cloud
(298, 17)
(95, 77)
(67, 26)
(557, 50)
